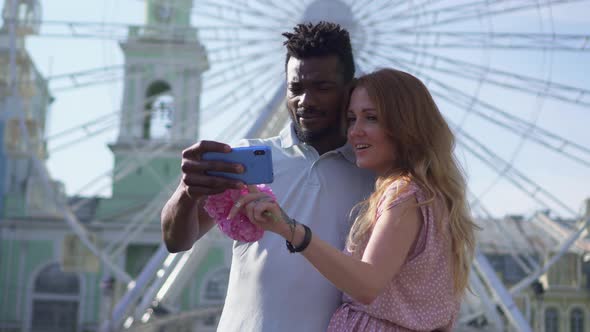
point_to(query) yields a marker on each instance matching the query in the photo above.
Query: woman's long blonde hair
(424, 147)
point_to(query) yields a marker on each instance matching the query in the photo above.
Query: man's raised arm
(183, 218)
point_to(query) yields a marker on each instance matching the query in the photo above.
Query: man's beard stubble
(307, 136)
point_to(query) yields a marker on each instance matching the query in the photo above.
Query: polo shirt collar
(347, 152)
(289, 138)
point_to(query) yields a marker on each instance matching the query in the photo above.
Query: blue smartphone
(257, 162)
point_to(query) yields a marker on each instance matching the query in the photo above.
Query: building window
(512, 272)
(216, 286)
(159, 110)
(551, 320)
(214, 294)
(56, 297)
(577, 320)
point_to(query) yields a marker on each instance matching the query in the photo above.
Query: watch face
(163, 12)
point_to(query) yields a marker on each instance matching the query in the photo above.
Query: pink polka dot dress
(420, 297)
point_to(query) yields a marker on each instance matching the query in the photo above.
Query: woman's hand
(262, 210)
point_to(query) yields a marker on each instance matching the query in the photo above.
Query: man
(316, 182)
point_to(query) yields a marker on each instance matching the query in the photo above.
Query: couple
(399, 260)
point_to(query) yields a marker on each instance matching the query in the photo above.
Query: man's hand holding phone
(256, 160)
(196, 179)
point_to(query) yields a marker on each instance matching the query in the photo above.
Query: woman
(408, 255)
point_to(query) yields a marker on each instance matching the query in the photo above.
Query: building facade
(49, 280)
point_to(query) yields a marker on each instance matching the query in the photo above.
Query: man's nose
(306, 100)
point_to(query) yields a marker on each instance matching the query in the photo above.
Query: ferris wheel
(495, 69)
(503, 73)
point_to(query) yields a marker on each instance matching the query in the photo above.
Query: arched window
(551, 320)
(55, 298)
(577, 320)
(159, 110)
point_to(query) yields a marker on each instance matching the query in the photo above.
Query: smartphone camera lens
(259, 152)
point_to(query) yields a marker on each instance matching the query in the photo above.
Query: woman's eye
(350, 119)
(371, 118)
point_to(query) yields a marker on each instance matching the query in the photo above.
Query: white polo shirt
(271, 289)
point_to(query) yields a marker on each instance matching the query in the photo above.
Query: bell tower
(163, 65)
(164, 62)
(24, 104)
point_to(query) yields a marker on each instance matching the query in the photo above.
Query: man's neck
(328, 144)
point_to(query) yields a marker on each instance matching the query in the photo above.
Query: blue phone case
(257, 162)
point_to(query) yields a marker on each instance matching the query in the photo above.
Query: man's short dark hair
(321, 39)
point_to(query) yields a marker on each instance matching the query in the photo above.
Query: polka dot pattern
(420, 297)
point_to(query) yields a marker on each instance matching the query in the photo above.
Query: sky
(83, 159)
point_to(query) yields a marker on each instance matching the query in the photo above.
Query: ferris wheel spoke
(526, 259)
(369, 60)
(506, 169)
(516, 125)
(106, 179)
(243, 85)
(523, 259)
(420, 39)
(398, 10)
(290, 12)
(493, 114)
(82, 133)
(85, 78)
(223, 40)
(531, 85)
(362, 9)
(111, 73)
(519, 127)
(79, 133)
(255, 94)
(225, 80)
(492, 9)
(414, 14)
(118, 31)
(561, 249)
(464, 12)
(238, 63)
(155, 148)
(237, 24)
(143, 211)
(89, 133)
(512, 245)
(140, 157)
(243, 10)
(140, 220)
(258, 101)
(509, 172)
(225, 53)
(290, 8)
(93, 30)
(83, 127)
